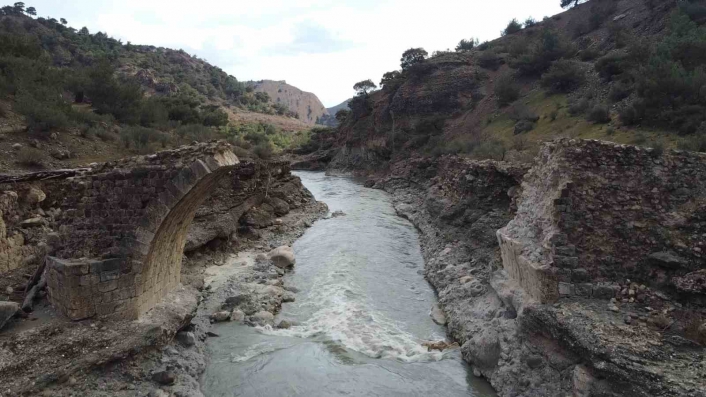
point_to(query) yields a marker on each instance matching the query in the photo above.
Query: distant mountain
(343, 105)
(306, 105)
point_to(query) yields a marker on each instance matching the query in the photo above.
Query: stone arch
(161, 266)
(125, 228)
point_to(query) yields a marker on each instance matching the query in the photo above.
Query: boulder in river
(262, 318)
(282, 257)
(437, 315)
(221, 316)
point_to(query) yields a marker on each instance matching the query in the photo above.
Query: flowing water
(362, 312)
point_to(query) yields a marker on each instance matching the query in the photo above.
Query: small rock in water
(337, 214)
(284, 324)
(220, 317)
(476, 372)
(437, 315)
(282, 257)
(237, 315)
(262, 318)
(288, 297)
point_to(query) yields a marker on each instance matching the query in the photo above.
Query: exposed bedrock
(579, 277)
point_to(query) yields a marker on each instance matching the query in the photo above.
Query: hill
(341, 106)
(69, 96)
(304, 105)
(623, 71)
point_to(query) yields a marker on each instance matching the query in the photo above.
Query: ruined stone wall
(594, 213)
(115, 231)
(22, 225)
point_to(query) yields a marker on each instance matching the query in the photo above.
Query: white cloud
(323, 46)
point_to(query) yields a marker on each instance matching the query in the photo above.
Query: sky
(320, 46)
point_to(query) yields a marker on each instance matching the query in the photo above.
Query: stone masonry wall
(594, 213)
(122, 229)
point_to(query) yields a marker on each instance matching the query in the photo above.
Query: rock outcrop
(579, 277)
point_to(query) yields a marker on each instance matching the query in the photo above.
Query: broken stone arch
(124, 228)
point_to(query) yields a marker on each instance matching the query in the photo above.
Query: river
(361, 313)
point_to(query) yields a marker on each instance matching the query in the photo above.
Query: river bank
(519, 260)
(360, 324)
(162, 354)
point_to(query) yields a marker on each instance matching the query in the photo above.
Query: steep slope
(595, 71)
(305, 105)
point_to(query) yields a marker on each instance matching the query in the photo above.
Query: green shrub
(105, 135)
(695, 143)
(563, 76)
(612, 65)
(540, 56)
(140, 138)
(264, 150)
(30, 157)
(529, 22)
(520, 112)
(512, 27)
(620, 91)
(215, 118)
(523, 126)
(42, 116)
(489, 60)
(553, 115)
(630, 115)
(506, 91)
(599, 114)
(491, 149)
(589, 54)
(640, 139)
(579, 107)
(466, 45)
(196, 132)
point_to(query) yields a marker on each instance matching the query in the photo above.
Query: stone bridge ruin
(122, 227)
(594, 213)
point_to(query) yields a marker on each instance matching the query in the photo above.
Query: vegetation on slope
(630, 71)
(55, 80)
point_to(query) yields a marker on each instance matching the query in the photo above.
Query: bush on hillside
(523, 126)
(140, 138)
(195, 132)
(489, 60)
(620, 90)
(512, 28)
(466, 45)
(30, 157)
(599, 114)
(563, 76)
(506, 90)
(695, 143)
(520, 111)
(42, 116)
(541, 54)
(579, 106)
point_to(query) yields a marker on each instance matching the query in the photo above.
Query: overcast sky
(321, 46)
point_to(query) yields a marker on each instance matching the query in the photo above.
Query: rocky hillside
(613, 70)
(70, 97)
(304, 105)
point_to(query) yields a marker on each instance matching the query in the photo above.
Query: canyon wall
(578, 276)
